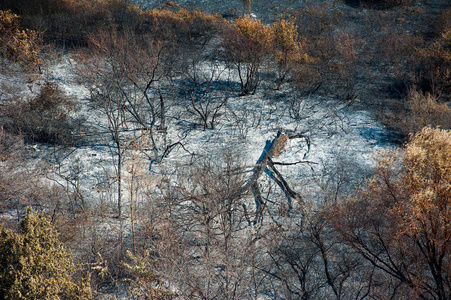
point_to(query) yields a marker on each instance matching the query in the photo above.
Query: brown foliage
(184, 26)
(417, 111)
(400, 219)
(22, 46)
(69, 22)
(289, 48)
(248, 45)
(332, 53)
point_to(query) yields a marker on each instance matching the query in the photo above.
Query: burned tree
(266, 165)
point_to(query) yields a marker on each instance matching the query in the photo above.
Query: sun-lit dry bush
(22, 46)
(254, 31)
(426, 110)
(184, 26)
(184, 33)
(247, 45)
(400, 220)
(417, 111)
(43, 118)
(289, 48)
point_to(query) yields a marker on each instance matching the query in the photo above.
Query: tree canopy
(400, 220)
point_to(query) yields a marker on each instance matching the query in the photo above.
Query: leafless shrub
(207, 253)
(22, 185)
(299, 107)
(122, 72)
(206, 95)
(304, 261)
(245, 118)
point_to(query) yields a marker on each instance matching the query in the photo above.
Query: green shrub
(35, 265)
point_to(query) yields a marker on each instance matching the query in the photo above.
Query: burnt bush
(332, 53)
(44, 118)
(432, 68)
(66, 22)
(377, 4)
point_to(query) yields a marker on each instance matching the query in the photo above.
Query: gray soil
(376, 89)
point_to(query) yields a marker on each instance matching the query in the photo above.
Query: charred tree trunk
(265, 165)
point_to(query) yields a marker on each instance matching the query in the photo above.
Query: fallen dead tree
(266, 165)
